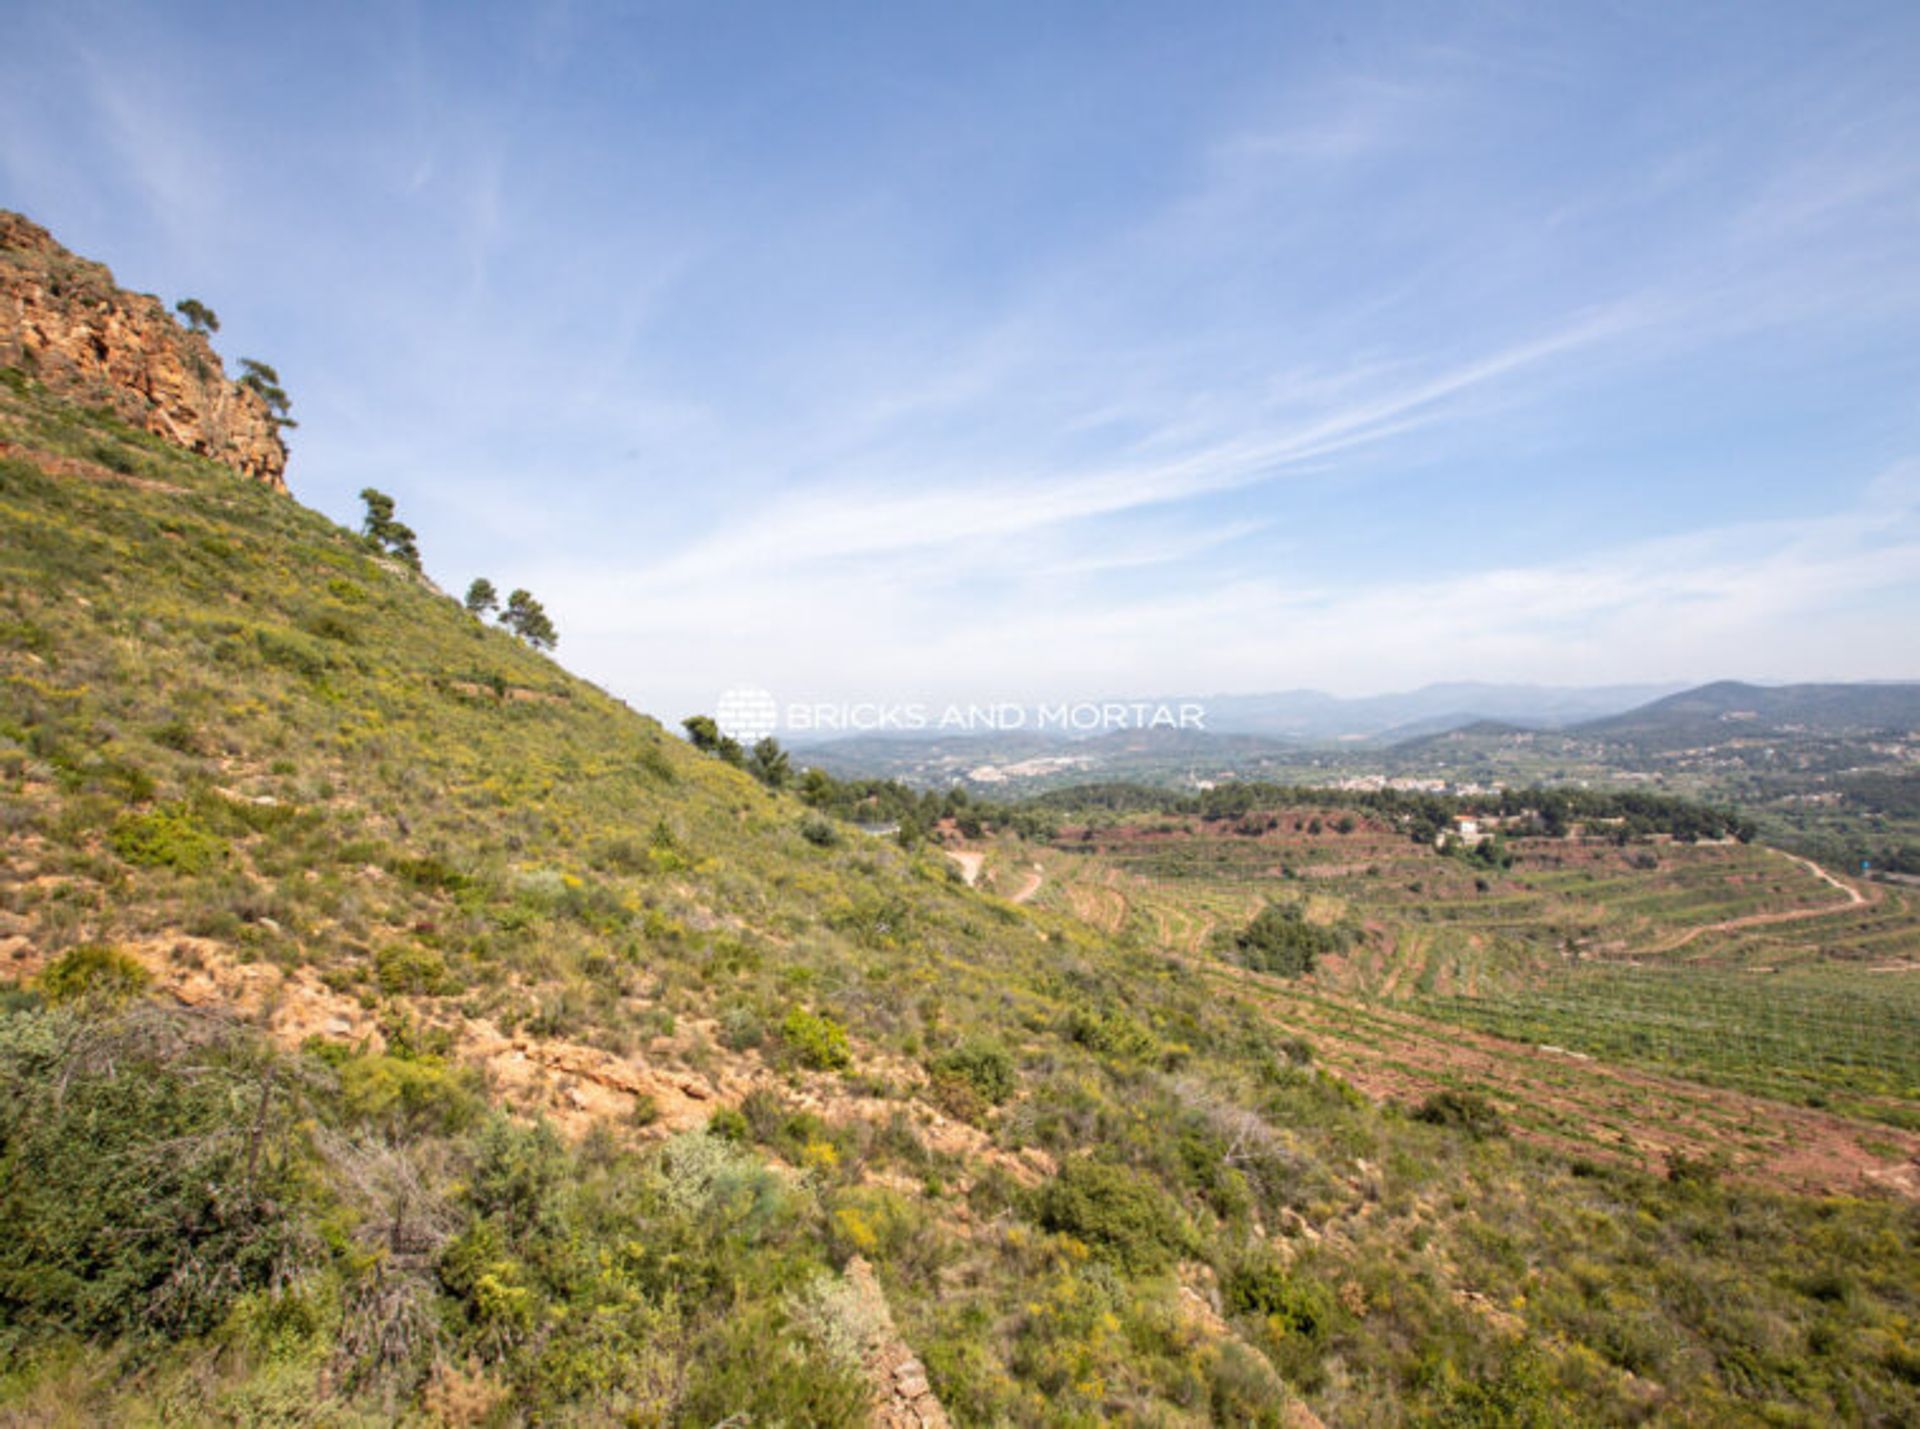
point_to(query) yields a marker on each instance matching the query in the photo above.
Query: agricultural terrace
(1733, 965)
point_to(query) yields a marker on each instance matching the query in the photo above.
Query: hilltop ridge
(1712, 708)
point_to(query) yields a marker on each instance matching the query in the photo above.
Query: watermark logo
(747, 713)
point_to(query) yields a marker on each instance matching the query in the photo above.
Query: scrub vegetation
(395, 1026)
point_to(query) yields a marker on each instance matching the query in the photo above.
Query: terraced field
(1580, 1103)
(1707, 969)
(1824, 1037)
(1565, 902)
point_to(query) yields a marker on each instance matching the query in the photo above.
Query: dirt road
(970, 861)
(1855, 899)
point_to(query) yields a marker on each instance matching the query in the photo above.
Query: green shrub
(1119, 1214)
(664, 850)
(718, 1185)
(1291, 1304)
(517, 1174)
(409, 1096)
(972, 1077)
(114, 457)
(1469, 1111)
(741, 1028)
(1295, 1051)
(130, 783)
(428, 872)
(873, 1221)
(291, 652)
(755, 1369)
(490, 1282)
(816, 1040)
(1111, 1032)
(409, 968)
(93, 973)
(328, 626)
(142, 1190)
(873, 919)
(1695, 1172)
(179, 735)
(1242, 1388)
(619, 855)
(1517, 1389)
(1297, 1312)
(768, 1117)
(26, 635)
(168, 837)
(1280, 940)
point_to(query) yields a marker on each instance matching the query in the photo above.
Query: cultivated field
(1642, 1000)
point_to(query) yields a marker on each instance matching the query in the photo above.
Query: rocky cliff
(65, 323)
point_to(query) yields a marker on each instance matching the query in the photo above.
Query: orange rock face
(65, 323)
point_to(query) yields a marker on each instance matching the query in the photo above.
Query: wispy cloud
(1460, 344)
(1823, 596)
(829, 526)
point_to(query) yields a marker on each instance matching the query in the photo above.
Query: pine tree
(386, 534)
(482, 598)
(769, 763)
(259, 378)
(200, 317)
(527, 618)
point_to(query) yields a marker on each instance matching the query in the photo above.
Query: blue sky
(1058, 351)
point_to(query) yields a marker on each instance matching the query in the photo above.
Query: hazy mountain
(1025, 756)
(1286, 716)
(1313, 715)
(1478, 730)
(1730, 708)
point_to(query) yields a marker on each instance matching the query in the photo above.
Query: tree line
(913, 813)
(1624, 815)
(522, 614)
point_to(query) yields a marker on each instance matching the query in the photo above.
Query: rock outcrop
(902, 1398)
(66, 324)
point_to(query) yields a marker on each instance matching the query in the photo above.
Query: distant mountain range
(1729, 708)
(1277, 734)
(1313, 716)
(1310, 715)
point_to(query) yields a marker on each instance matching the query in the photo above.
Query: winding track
(1035, 877)
(1855, 899)
(1578, 1105)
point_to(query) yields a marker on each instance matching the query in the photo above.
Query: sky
(1058, 351)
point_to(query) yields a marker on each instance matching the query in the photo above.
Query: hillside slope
(1731, 708)
(397, 1025)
